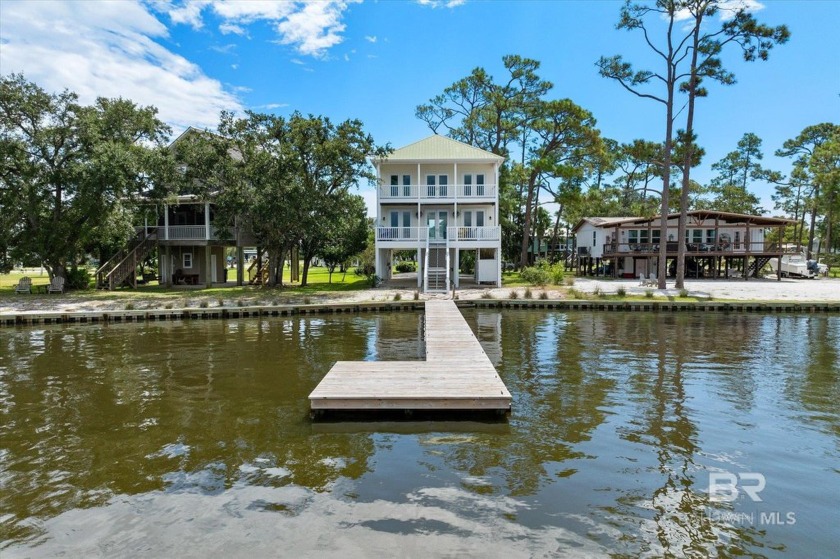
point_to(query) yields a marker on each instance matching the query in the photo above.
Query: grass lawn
(318, 282)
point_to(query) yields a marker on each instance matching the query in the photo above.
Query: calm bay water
(193, 440)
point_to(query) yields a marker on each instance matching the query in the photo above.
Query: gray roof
(441, 148)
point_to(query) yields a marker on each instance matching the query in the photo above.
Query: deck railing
(724, 248)
(437, 191)
(475, 233)
(463, 234)
(188, 233)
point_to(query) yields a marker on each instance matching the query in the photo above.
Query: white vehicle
(794, 265)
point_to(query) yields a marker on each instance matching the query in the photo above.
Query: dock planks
(456, 375)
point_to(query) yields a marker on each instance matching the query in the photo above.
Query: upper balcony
(722, 248)
(439, 192)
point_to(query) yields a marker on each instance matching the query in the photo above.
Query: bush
(544, 295)
(570, 281)
(203, 304)
(416, 295)
(129, 307)
(621, 292)
(683, 293)
(528, 293)
(403, 267)
(513, 294)
(649, 293)
(77, 278)
(486, 295)
(543, 273)
(221, 302)
(397, 296)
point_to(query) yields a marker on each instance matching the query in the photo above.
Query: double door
(436, 221)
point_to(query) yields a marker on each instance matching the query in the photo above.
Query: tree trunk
(689, 154)
(811, 228)
(526, 226)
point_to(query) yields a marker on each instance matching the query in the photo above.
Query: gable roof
(440, 148)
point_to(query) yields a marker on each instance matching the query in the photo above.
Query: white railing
(185, 232)
(475, 233)
(467, 191)
(426, 192)
(401, 233)
(401, 191)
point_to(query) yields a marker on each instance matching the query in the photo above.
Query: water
(193, 440)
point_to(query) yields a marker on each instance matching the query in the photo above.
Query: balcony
(461, 235)
(457, 192)
(189, 233)
(692, 249)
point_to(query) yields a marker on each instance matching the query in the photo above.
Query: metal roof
(725, 217)
(440, 148)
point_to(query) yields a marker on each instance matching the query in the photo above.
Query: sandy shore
(820, 290)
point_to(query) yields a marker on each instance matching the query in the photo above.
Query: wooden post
(240, 265)
(207, 268)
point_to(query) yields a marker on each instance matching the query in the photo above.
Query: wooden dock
(456, 375)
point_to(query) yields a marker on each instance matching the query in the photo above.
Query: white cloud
(311, 27)
(109, 49)
(727, 9)
(271, 106)
(370, 38)
(232, 29)
(441, 3)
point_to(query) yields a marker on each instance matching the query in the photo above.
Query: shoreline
(586, 293)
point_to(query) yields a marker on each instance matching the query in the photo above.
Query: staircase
(122, 267)
(436, 267)
(258, 276)
(757, 264)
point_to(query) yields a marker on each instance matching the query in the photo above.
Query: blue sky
(377, 61)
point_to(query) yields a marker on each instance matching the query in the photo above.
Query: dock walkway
(456, 375)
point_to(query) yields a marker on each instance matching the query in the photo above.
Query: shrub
(528, 293)
(168, 306)
(221, 302)
(240, 303)
(513, 294)
(486, 295)
(621, 292)
(77, 278)
(597, 292)
(544, 295)
(683, 292)
(574, 293)
(307, 301)
(397, 296)
(403, 267)
(203, 304)
(416, 295)
(569, 281)
(649, 293)
(535, 275)
(129, 306)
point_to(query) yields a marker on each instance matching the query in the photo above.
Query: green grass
(318, 283)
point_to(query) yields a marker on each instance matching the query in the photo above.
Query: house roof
(725, 217)
(599, 221)
(440, 148)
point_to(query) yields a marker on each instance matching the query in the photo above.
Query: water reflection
(112, 437)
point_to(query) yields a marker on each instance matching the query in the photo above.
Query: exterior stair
(122, 267)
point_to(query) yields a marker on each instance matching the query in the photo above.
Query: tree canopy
(71, 176)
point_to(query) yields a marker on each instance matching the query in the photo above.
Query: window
(407, 186)
(430, 185)
(643, 236)
(479, 218)
(697, 236)
(467, 219)
(395, 219)
(633, 237)
(467, 185)
(443, 181)
(406, 219)
(655, 235)
(186, 260)
(710, 236)
(594, 238)
(479, 185)
(395, 191)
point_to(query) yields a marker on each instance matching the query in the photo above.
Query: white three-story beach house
(440, 198)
